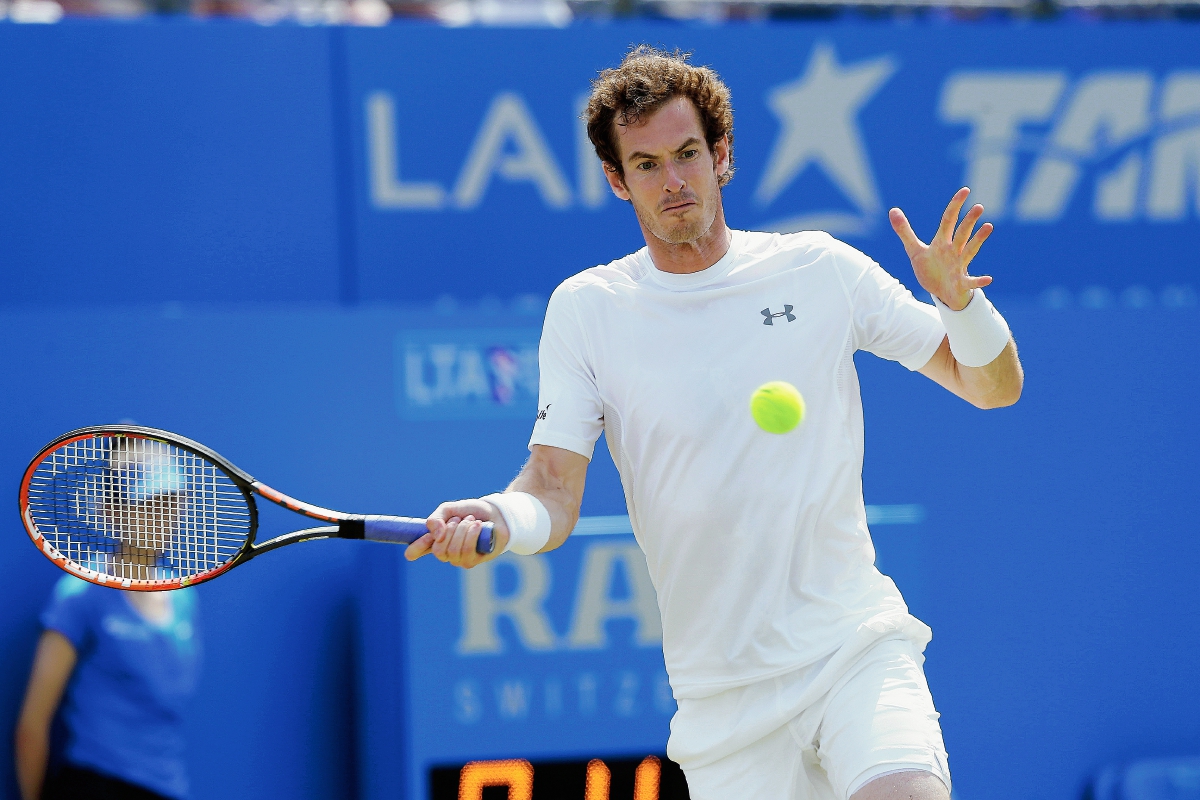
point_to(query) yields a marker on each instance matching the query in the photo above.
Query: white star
(818, 113)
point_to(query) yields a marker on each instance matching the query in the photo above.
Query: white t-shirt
(757, 543)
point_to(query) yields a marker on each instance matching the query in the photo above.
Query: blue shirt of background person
(137, 663)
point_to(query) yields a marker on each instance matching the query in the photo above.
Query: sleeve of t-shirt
(67, 611)
(570, 411)
(888, 320)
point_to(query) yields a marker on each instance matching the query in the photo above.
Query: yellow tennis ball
(777, 407)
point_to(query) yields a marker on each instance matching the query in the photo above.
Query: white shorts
(876, 718)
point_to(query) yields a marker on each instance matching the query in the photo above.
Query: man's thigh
(880, 720)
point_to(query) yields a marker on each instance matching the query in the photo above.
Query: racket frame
(345, 526)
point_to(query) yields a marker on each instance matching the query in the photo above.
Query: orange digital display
(515, 774)
(620, 778)
(646, 779)
(599, 781)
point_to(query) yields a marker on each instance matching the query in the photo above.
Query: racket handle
(406, 530)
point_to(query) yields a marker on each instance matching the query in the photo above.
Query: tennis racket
(143, 509)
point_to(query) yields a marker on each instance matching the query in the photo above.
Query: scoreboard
(649, 778)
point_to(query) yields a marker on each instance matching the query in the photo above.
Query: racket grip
(406, 530)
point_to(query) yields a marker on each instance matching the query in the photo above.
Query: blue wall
(199, 197)
(167, 162)
(834, 124)
(1055, 562)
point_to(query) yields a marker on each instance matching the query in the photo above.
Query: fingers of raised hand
(945, 230)
(908, 238)
(965, 228)
(971, 249)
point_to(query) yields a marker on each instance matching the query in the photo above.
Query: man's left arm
(978, 358)
(994, 385)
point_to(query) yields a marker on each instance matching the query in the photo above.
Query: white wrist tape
(977, 333)
(527, 519)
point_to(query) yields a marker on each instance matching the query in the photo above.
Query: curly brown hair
(645, 81)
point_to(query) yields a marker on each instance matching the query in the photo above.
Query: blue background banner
(325, 253)
(166, 162)
(1054, 559)
(409, 162)
(1083, 143)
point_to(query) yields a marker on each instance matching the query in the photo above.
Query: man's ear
(616, 182)
(721, 156)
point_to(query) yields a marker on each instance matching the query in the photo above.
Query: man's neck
(689, 257)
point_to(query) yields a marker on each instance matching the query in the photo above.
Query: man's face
(670, 172)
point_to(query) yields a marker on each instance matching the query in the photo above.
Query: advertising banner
(473, 175)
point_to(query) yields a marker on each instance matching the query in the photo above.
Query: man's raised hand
(941, 265)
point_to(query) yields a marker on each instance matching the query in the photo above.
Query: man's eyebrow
(636, 154)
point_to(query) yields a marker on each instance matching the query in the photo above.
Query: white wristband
(527, 519)
(977, 333)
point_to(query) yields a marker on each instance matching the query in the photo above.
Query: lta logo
(467, 373)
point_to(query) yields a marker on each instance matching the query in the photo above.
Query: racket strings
(138, 509)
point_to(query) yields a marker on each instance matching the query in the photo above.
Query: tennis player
(796, 665)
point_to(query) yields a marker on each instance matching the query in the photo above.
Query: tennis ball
(777, 407)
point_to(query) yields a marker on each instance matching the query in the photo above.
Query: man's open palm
(941, 265)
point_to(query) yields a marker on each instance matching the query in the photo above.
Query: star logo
(818, 116)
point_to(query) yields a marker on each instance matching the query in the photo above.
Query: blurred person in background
(127, 661)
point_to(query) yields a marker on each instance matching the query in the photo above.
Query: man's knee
(905, 785)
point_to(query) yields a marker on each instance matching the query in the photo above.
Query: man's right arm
(553, 475)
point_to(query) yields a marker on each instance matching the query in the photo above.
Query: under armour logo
(770, 318)
(542, 411)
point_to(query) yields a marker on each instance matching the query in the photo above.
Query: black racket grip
(406, 530)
